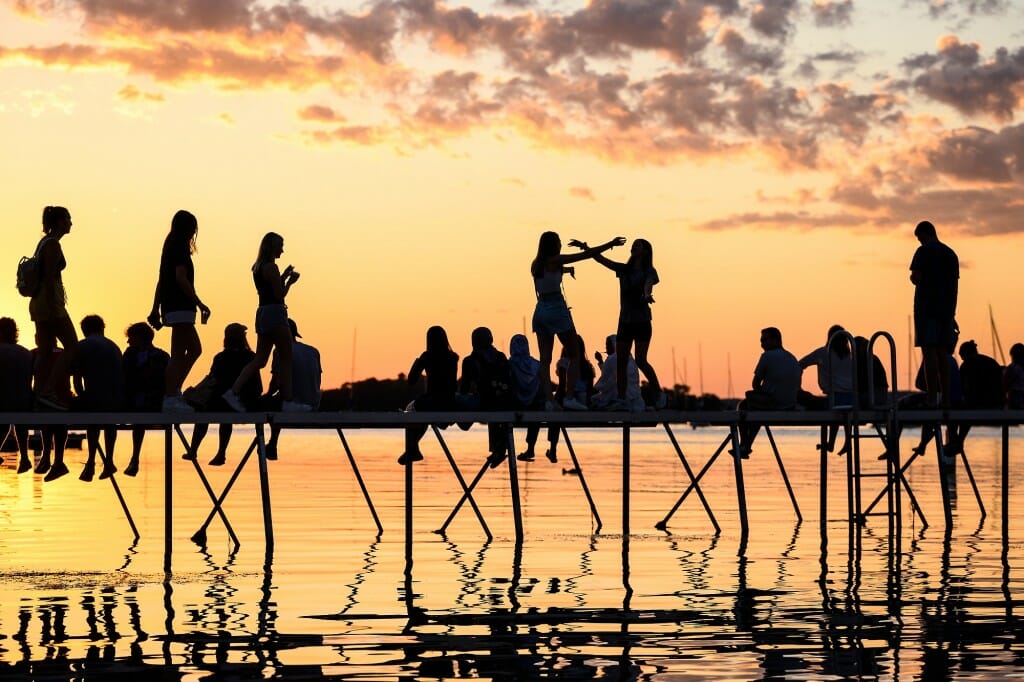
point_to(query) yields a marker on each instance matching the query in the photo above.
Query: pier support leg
(261, 458)
(741, 494)
(583, 480)
(168, 496)
(359, 479)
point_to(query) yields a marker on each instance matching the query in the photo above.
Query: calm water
(79, 599)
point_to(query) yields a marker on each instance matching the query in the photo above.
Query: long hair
(548, 246)
(271, 241)
(184, 229)
(52, 216)
(645, 259)
(437, 340)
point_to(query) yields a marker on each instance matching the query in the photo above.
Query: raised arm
(591, 252)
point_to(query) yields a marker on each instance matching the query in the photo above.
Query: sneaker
(406, 458)
(233, 401)
(271, 451)
(43, 465)
(108, 471)
(290, 406)
(24, 465)
(88, 472)
(552, 455)
(618, 405)
(744, 452)
(573, 404)
(132, 469)
(662, 400)
(189, 456)
(174, 403)
(56, 471)
(218, 461)
(495, 459)
(526, 456)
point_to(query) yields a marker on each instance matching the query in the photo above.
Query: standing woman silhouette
(551, 317)
(272, 330)
(637, 278)
(174, 304)
(48, 309)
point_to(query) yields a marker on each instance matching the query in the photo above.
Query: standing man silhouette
(935, 272)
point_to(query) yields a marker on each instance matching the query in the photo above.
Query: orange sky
(776, 154)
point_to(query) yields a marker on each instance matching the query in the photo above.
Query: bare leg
(185, 350)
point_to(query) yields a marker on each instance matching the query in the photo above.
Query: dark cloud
(941, 8)
(832, 12)
(981, 155)
(746, 55)
(958, 76)
(850, 115)
(773, 18)
(801, 220)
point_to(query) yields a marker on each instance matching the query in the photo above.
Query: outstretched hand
(618, 241)
(578, 244)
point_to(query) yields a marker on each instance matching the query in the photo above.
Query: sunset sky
(777, 154)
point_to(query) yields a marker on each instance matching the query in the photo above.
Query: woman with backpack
(48, 309)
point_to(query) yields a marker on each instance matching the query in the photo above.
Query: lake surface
(79, 599)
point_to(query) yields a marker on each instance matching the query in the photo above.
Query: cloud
(956, 75)
(940, 8)
(832, 12)
(130, 93)
(582, 193)
(747, 55)
(321, 114)
(773, 18)
(981, 155)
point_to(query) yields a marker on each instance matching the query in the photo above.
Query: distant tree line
(392, 395)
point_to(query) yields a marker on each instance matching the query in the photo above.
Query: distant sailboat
(996, 343)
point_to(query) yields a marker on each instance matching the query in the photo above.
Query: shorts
(551, 316)
(42, 310)
(629, 332)
(173, 318)
(270, 316)
(930, 331)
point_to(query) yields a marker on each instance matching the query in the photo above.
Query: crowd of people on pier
(146, 378)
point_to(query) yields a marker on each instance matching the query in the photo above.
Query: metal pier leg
(467, 491)
(583, 480)
(661, 525)
(947, 508)
(261, 458)
(468, 495)
(168, 495)
(513, 481)
(693, 482)
(741, 494)
(199, 537)
(359, 478)
(782, 469)
(906, 486)
(117, 491)
(974, 484)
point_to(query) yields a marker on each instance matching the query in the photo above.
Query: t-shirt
(633, 305)
(15, 378)
(982, 380)
(226, 367)
(306, 373)
(441, 370)
(98, 363)
(172, 298)
(144, 370)
(841, 378)
(485, 372)
(936, 289)
(779, 375)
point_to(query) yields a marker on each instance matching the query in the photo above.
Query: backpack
(30, 273)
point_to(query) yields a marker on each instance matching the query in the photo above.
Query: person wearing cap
(272, 332)
(306, 373)
(224, 371)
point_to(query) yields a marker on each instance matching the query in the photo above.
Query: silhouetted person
(775, 385)
(16, 385)
(935, 272)
(175, 302)
(144, 367)
(981, 379)
(581, 391)
(1013, 378)
(272, 330)
(833, 363)
(306, 374)
(54, 436)
(525, 377)
(551, 316)
(99, 383)
(227, 366)
(606, 388)
(486, 375)
(875, 393)
(441, 365)
(48, 310)
(637, 278)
